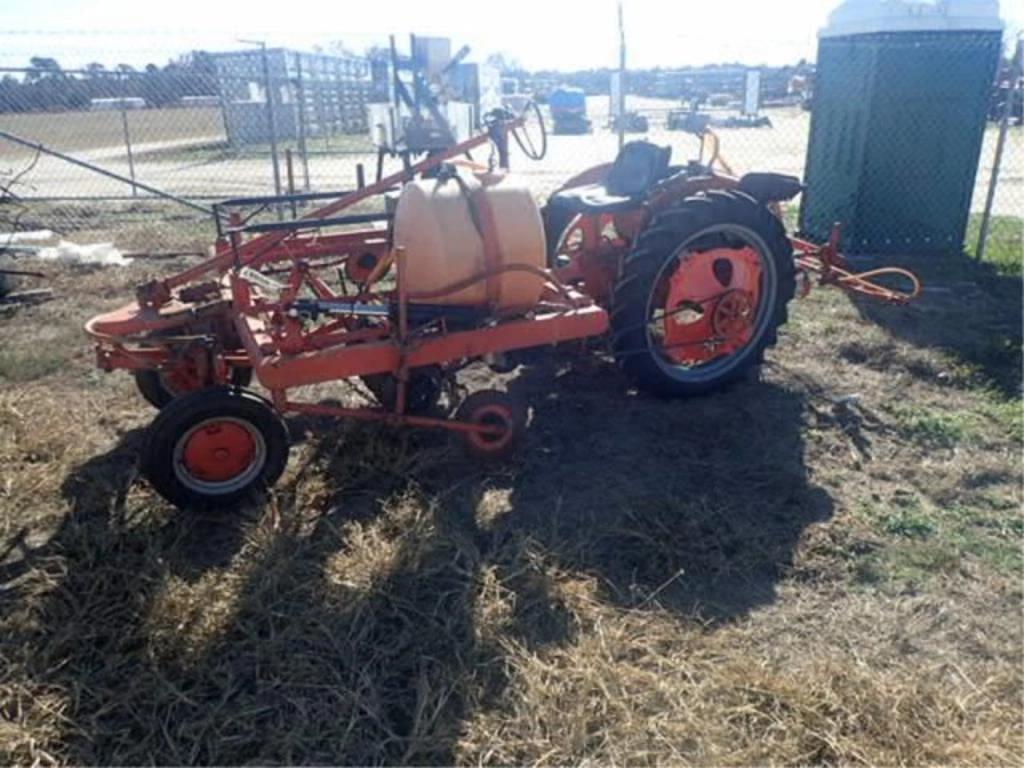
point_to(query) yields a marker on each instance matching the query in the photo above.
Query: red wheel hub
(498, 421)
(711, 304)
(733, 314)
(219, 451)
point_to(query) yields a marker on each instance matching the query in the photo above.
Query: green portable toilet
(897, 119)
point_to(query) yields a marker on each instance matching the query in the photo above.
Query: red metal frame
(234, 320)
(828, 264)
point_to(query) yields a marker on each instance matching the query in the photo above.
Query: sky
(541, 34)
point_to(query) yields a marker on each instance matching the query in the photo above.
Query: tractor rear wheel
(215, 447)
(702, 294)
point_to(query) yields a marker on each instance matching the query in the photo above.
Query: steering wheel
(532, 135)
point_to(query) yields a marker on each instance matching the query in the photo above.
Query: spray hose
(865, 282)
(460, 285)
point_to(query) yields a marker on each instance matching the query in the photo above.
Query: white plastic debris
(32, 236)
(104, 254)
(851, 399)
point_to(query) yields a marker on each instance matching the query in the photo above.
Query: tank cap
(864, 17)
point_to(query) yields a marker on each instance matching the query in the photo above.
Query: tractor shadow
(354, 633)
(692, 505)
(307, 668)
(78, 604)
(339, 674)
(967, 309)
(97, 494)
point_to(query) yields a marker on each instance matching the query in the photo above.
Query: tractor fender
(593, 175)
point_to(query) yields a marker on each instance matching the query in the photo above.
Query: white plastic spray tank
(455, 228)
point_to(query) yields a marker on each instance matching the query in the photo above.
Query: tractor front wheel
(215, 447)
(158, 387)
(702, 294)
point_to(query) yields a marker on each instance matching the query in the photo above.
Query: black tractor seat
(638, 166)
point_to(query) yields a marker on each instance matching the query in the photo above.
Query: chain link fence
(97, 143)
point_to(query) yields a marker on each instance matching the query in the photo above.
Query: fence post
(290, 168)
(271, 118)
(1004, 123)
(622, 80)
(223, 97)
(301, 106)
(127, 137)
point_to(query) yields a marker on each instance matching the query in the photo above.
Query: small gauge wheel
(504, 419)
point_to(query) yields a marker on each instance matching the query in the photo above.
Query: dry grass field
(86, 130)
(822, 566)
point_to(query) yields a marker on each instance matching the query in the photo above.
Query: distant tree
(42, 67)
(204, 62)
(9, 90)
(95, 68)
(504, 63)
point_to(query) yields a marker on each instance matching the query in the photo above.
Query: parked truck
(569, 111)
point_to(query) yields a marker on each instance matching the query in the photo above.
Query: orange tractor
(685, 271)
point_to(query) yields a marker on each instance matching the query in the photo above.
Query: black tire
(155, 389)
(740, 217)
(496, 408)
(164, 461)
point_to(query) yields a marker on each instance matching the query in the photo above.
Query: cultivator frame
(228, 317)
